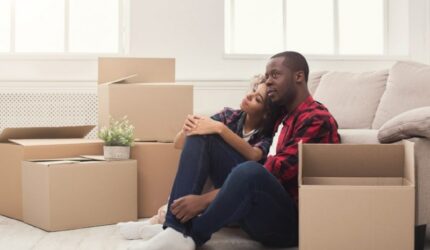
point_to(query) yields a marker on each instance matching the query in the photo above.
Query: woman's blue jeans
(249, 195)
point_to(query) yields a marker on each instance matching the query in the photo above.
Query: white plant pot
(112, 153)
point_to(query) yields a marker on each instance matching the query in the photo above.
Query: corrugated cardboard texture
(146, 69)
(157, 111)
(76, 195)
(356, 196)
(157, 164)
(11, 156)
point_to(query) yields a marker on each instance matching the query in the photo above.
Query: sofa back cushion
(314, 80)
(352, 98)
(408, 87)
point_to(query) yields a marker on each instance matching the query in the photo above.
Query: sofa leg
(420, 237)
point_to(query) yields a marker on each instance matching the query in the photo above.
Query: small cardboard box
(64, 194)
(157, 164)
(18, 144)
(356, 196)
(157, 110)
(146, 69)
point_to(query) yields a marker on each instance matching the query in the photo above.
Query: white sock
(148, 231)
(131, 230)
(168, 239)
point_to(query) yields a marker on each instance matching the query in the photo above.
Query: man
(262, 199)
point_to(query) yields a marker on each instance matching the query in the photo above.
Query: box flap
(45, 132)
(121, 80)
(94, 157)
(409, 173)
(49, 142)
(58, 161)
(147, 69)
(351, 160)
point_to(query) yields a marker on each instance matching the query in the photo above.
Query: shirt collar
(302, 106)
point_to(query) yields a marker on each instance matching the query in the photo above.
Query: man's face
(281, 87)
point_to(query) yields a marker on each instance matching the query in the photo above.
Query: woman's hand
(187, 207)
(205, 126)
(190, 124)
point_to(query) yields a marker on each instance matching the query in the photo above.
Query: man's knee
(248, 171)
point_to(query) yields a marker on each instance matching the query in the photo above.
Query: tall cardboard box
(356, 196)
(18, 144)
(64, 194)
(157, 110)
(157, 165)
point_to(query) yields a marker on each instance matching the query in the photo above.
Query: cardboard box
(13, 151)
(147, 69)
(64, 194)
(157, 164)
(356, 196)
(157, 110)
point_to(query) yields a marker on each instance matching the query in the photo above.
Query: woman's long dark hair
(271, 112)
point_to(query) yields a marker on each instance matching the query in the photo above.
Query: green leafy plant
(119, 133)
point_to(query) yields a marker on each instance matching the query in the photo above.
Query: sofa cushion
(412, 123)
(358, 136)
(314, 80)
(352, 98)
(408, 87)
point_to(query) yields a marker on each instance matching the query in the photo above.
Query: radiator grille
(40, 108)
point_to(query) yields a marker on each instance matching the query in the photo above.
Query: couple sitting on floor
(251, 157)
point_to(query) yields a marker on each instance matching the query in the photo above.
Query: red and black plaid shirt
(310, 122)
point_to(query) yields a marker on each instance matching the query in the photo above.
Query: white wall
(193, 32)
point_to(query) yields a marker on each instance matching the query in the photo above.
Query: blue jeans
(249, 195)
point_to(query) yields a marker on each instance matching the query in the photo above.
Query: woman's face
(254, 102)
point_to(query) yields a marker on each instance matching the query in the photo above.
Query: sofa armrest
(409, 124)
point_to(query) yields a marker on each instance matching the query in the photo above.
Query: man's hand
(187, 207)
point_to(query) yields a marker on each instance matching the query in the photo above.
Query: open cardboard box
(72, 193)
(18, 144)
(145, 91)
(356, 196)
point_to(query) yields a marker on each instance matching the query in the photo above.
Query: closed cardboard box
(64, 194)
(356, 196)
(157, 164)
(18, 144)
(157, 110)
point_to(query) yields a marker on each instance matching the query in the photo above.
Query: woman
(248, 131)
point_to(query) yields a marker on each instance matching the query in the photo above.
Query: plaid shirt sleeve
(263, 144)
(315, 129)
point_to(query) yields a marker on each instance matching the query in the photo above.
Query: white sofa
(370, 107)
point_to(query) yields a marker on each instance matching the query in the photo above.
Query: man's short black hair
(295, 62)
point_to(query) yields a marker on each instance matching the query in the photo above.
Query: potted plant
(118, 138)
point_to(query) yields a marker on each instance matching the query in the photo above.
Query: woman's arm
(238, 143)
(206, 125)
(189, 125)
(179, 140)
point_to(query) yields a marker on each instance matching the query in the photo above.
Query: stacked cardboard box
(64, 194)
(144, 90)
(19, 144)
(356, 196)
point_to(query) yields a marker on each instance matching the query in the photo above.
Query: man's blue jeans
(249, 195)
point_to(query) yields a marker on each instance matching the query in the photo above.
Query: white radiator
(41, 106)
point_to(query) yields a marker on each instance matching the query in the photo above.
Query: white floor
(15, 235)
